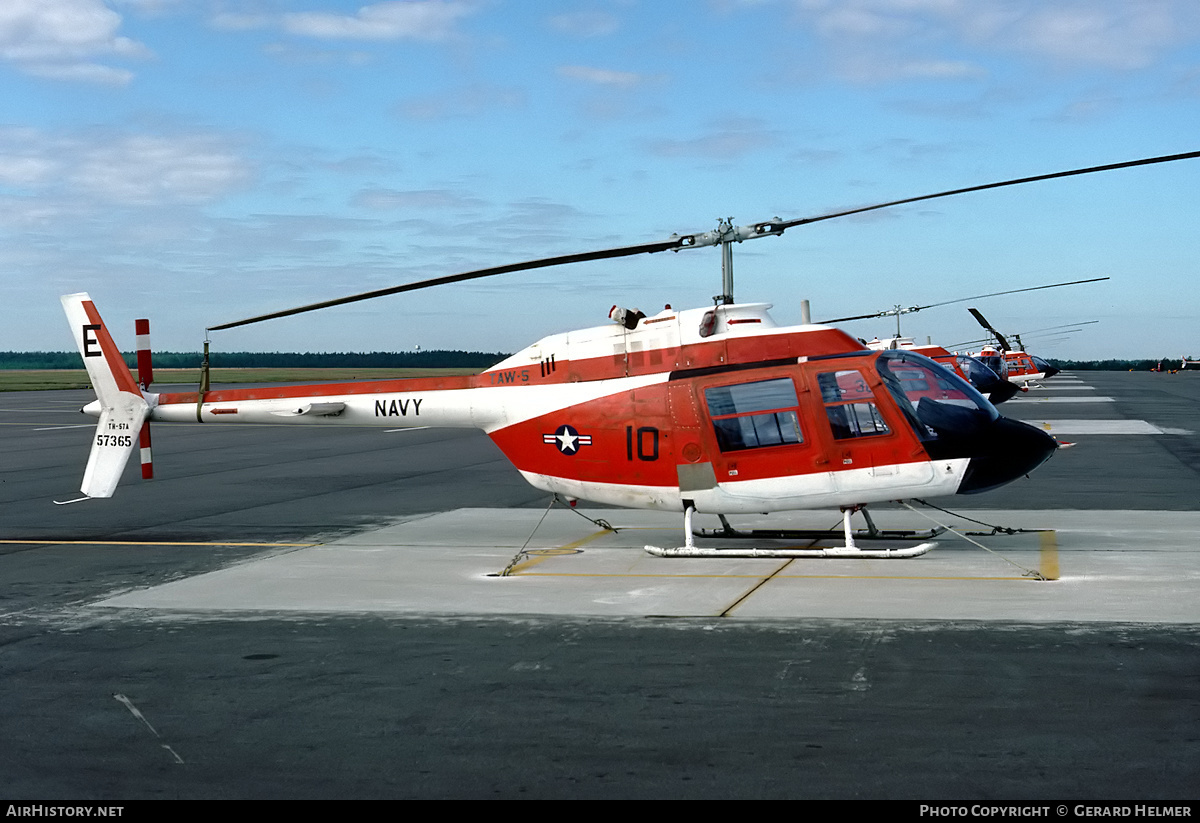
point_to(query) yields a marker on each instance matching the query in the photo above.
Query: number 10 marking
(644, 434)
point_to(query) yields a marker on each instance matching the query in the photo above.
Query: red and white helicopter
(1016, 365)
(972, 369)
(988, 372)
(715, 410)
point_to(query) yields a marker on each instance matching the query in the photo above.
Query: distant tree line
(432, 359)
(1115, 365)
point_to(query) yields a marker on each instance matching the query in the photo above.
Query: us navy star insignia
(567, 439)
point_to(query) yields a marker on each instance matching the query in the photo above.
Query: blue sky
(200, 161)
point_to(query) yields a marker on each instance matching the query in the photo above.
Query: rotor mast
(725, 235)
(726, 295)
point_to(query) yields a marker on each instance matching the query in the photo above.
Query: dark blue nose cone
(1000, 390)
(999, 450)
(1008, 449)
(1044, 367)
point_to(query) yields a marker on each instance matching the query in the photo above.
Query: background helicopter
(988, 374)
(714, 410)
(899, 311)
(972, 369)
(1016, 365)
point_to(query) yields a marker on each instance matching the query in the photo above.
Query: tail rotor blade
(145, 376)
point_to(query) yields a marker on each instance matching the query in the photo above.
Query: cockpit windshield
(994, 362)
(978, 372)
(936, 401)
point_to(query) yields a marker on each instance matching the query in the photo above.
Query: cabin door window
(754, 415)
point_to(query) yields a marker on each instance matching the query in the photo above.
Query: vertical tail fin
(123, 409)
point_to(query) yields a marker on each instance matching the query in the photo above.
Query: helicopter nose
(1000, 390)
(1003, 451)
(1044, 367)
(998, 450)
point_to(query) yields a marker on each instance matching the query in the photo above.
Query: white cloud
(421, 201)
(61, 39)
(725, 140)
(585, 23)
(602, 77)
(868, 68)
(240, 21)
(151, 7)
(877, 40)
(466, 101)
(23, 159)
(81, 72)
(1124, 36)
(138, 170)
(396, 20)
(144, 170)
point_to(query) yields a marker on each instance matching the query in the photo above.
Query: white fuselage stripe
(488, 408)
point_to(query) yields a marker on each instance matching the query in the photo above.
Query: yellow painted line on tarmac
(780, 576)
(1049, 566)
(533, 561)
(151, 543)
(764, 581)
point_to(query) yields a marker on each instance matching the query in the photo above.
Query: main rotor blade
(603, 254)
(725, 234)
(1059, 327)
(876, 315)
(979, 342)
(893, 312)
(787, 224)
(1012, 291)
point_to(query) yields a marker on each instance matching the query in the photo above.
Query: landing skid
(849, 550)
(871, 532)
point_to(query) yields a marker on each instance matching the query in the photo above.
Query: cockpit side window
(754, 415)
(850, 405)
